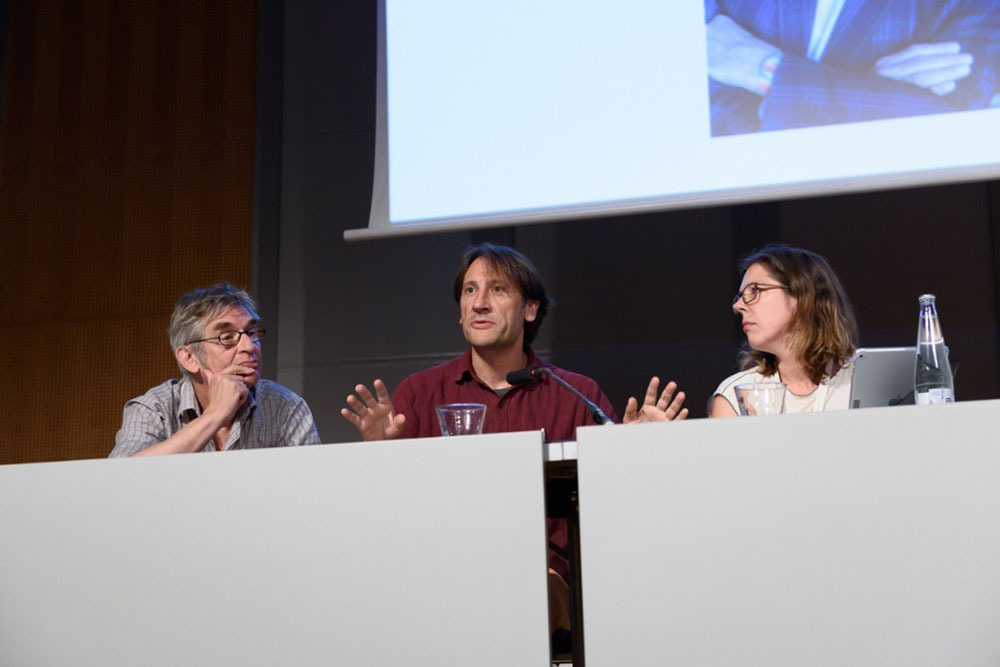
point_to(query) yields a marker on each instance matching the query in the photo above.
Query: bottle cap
(927, 298)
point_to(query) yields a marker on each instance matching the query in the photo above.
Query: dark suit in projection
(843, 86)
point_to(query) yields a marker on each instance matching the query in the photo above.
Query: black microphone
(520, 376)
(534, 373)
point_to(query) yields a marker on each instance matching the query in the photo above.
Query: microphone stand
(594, 410)
(535, 373)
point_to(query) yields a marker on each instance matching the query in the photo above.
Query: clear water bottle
(932, 380)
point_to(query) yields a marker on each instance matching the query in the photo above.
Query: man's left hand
(937, 67)
(666, 408)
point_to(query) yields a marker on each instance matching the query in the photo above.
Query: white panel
(413, 552)
(868, 537)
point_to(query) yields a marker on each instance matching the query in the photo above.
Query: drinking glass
(461, 418)
(761, 398)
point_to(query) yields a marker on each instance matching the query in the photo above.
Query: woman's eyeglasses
(751, 292)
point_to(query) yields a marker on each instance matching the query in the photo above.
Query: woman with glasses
(800, 330)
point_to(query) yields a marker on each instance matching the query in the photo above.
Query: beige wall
(126, 178)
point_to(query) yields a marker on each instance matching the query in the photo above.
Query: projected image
(781, 64)
(524, 111)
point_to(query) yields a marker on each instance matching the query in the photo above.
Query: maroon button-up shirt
(528, 407)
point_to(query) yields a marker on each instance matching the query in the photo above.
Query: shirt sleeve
(403, 402)
(806, 93)
(142, 427)
(727, 392)
(605, 405)
(593, 392)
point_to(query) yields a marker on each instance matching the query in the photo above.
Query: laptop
(883, 376)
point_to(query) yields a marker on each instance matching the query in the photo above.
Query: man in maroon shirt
(502, 303)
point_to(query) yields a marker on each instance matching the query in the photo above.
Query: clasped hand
(735, 57)
(937, 67)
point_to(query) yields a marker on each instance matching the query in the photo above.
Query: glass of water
(461, 418)
(761, 398)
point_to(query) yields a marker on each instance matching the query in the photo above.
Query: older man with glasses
(220, 402)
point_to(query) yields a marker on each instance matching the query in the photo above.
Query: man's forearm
(806, 93)
(191, 438)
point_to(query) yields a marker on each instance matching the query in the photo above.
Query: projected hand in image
(737, 58)
(936, 67)
(782, 64)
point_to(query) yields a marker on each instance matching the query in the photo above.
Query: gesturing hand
(667, 408)
(227, 391)
(936, 67)
(374, 418)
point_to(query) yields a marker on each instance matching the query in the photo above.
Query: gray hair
(198, 307)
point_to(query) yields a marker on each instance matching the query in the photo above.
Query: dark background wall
(636, 295)
(146, 148)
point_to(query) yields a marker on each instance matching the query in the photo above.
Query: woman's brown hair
(825, 332)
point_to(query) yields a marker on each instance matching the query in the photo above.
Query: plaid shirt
(272, 416)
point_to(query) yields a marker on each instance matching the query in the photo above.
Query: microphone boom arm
(534, 374)
(594, 410)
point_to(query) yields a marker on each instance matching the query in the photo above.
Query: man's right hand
(227, 391)
(374, 417)
(666, 408)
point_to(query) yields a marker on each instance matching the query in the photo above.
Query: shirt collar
(464, 372)
(250, 404)
(187, 405)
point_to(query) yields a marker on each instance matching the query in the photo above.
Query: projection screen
(506, 113)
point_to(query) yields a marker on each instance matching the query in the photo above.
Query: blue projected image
(782, 64)
(515, 112)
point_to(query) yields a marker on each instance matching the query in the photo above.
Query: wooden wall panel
(126, 179)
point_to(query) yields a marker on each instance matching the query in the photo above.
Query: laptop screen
(883, 376)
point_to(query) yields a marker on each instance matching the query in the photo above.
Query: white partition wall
(869, 537)
(425, 552)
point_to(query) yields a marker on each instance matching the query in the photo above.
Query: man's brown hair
(515, 267)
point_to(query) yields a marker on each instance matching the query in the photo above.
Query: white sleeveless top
(832, 393)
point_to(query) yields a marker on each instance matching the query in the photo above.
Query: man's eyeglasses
(751, 292)
(232, 338)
